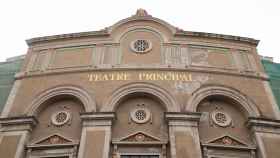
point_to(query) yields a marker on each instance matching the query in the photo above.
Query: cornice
(19, 120)
(228, 147)
(93, 119)
(53, 146)
(89, 116)
(105, 33)
(263, 122)
(217, 36)
(178, 116)
(69, 36)
(146, 143)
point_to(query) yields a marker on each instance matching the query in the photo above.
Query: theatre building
(140, 88)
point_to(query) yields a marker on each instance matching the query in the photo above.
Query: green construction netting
(273, 71)
(7, 73)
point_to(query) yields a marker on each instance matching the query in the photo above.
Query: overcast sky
(24, 19)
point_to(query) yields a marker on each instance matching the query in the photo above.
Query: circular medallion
(60, 118)
(140, 115)
(221, 118)
(141, 46)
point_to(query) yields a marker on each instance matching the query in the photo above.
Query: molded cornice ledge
(18, 123)
(36, 40)
(97, 118)
(217, 36)
(264, 124)
(183, 119)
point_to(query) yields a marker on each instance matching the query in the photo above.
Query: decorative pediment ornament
(140, 137)
(227, 140)
(141, 12)
(53, 139)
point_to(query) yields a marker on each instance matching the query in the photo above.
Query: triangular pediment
(227, 140)
(140, 137)
(53, 139)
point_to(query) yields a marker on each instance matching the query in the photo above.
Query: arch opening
(223, 123)
(145, 89)
(139, 117)
(233, 96)
(226, 99)
(52, 94)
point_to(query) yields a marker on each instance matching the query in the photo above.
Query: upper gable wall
(111, 47)
(163, 29)
(128, 30)
(128, 56)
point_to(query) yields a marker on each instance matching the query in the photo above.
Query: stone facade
(141, 88)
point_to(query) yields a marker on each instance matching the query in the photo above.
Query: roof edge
(217, 36)
(104, 32)
(36, 40)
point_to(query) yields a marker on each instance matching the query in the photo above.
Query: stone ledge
(178, 116)
(263, 122)
(20, 123)
(97, 116)
(90, 119)
(19, 120)
(149, 143)
(105, 33)
(228, 147)
(217, 36)
(53, 146)
(36, 40)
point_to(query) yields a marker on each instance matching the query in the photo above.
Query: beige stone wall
(45, 128)
(94, 144)
(209, 131)
(124, 126)
(8, 145)
(182, 140)
(101, 90)
(151, 57)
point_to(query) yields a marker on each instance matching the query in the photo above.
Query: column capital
(182, 119)
(97, 118)
(183, 131)
(18, 123)
(259, 124)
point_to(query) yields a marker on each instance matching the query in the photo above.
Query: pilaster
(96, 135)
(267, 136)
(183, 135)
(14, 134)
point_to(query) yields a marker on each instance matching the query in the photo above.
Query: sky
(25, 19)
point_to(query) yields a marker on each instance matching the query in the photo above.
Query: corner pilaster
(267, 136)
(14, 134)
